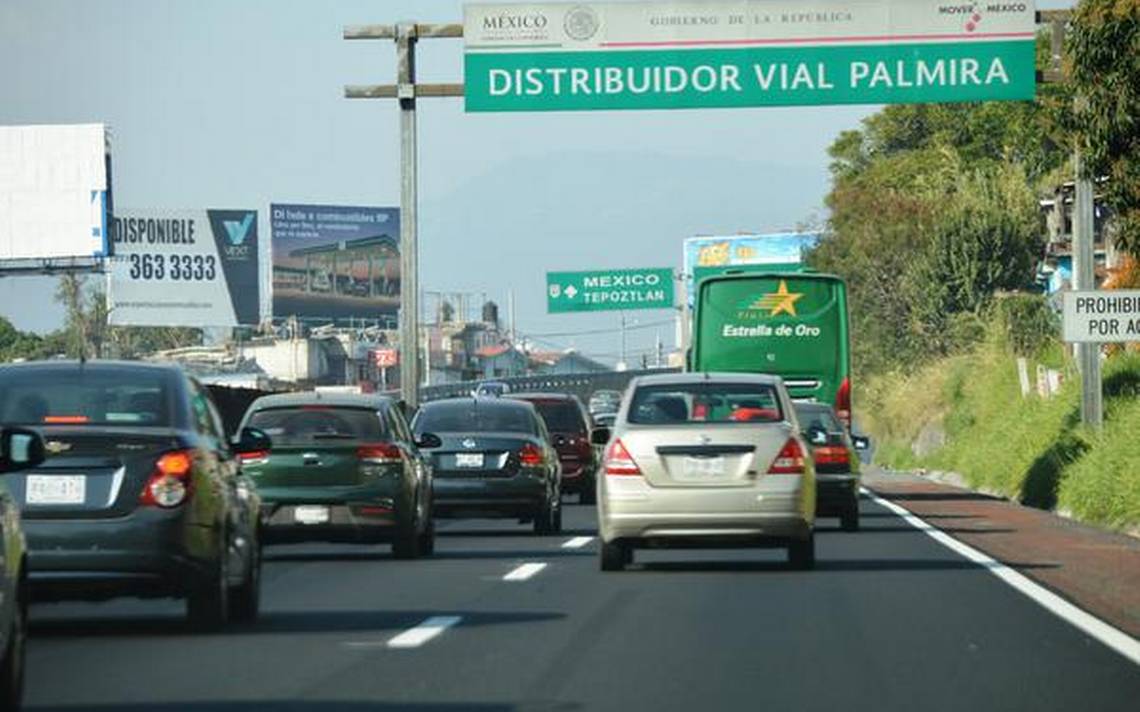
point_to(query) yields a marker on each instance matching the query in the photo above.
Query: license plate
(311, 514)
(56, 489)
(702, 468)
(469, 459)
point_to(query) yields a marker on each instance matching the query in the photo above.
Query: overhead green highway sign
(609, 290)
(734, 53)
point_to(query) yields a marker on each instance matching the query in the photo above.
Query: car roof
(479, 403)
(95, 365)
(813, 405)
(677, 379)
(539, 395)
(344, 400)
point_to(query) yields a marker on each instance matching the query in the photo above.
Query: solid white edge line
(577, 542)
(524, 572)
(422, 633)
(1107, 634)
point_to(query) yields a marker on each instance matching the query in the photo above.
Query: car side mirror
(861, 442)
(20, 449)
(428, 441)
(817, 436)
(252, 440)
(600, 436)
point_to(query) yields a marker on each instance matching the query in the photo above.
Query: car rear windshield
(814, 416)
(475, 416)
(85, 396)
(560, 416)
(305, 425)
(705, 403)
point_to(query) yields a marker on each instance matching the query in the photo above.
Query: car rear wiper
(333, 436)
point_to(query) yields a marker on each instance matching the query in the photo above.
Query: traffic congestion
(623, 355)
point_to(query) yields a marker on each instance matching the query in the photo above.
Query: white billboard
(194, 268)
(53, 192)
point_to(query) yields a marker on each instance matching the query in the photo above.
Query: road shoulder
(1097, 570)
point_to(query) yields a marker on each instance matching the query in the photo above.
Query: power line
(614, 330)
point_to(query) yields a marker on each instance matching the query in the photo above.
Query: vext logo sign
(771, 304)
(237, 232)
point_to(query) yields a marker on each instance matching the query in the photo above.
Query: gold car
(706, 460)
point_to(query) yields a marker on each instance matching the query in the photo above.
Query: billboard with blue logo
(335, 262)
(193, 268)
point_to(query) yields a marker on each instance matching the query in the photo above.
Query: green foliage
(1031, 449)
(1028, 323)
(1104, 51)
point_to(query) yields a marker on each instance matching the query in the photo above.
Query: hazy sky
(238, 103)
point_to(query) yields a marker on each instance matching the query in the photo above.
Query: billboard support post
(405, 91)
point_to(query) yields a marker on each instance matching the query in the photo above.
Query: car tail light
(789, 461)
(379, 454)
(255, 456)
(619, 462)
(843, 402)
(531, 456)
(831, 455)
(169, 484)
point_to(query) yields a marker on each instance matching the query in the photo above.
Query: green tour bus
(790, 324)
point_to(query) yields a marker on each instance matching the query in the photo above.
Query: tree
(1104, 53)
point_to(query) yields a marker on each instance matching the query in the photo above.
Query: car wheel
(801, 554)
(614, 555)
(427, 539)
(849, 520)
(207, 606)
(12, 667)
(245, 600)
(588, 495)
(406, 543)
(544, 521)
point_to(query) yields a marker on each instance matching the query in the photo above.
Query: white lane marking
(1113, 637)
(422, 633)
(577, 542)
(524, 572)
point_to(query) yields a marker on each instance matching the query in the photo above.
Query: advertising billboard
(194, 268)
(705, 256)
(54, 192)
(335, 262)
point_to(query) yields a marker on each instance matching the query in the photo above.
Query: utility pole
(1084, 253)
(406, 35)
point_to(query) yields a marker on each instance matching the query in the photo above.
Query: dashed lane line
(1092, 626)
(524, 572)
(422, 633)
(577, 542)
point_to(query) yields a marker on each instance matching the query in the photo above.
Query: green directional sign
(744, 53)
(609, 290)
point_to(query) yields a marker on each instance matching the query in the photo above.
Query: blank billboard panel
(53, 191)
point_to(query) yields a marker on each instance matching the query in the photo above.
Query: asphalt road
(889, 620)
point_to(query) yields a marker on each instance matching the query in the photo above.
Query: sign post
(609, 290)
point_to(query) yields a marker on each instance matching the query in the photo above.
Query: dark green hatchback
(343, 468)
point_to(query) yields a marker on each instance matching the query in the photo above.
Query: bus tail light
(843, 402)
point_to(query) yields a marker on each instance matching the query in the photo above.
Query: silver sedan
(705, 460)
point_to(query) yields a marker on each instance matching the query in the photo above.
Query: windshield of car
(475, 417)
(305, 425)
(702, 402)
(560, 416)
(815, 416)
(77, 396)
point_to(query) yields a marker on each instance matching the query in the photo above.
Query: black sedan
(141, 495)
(495, 459)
